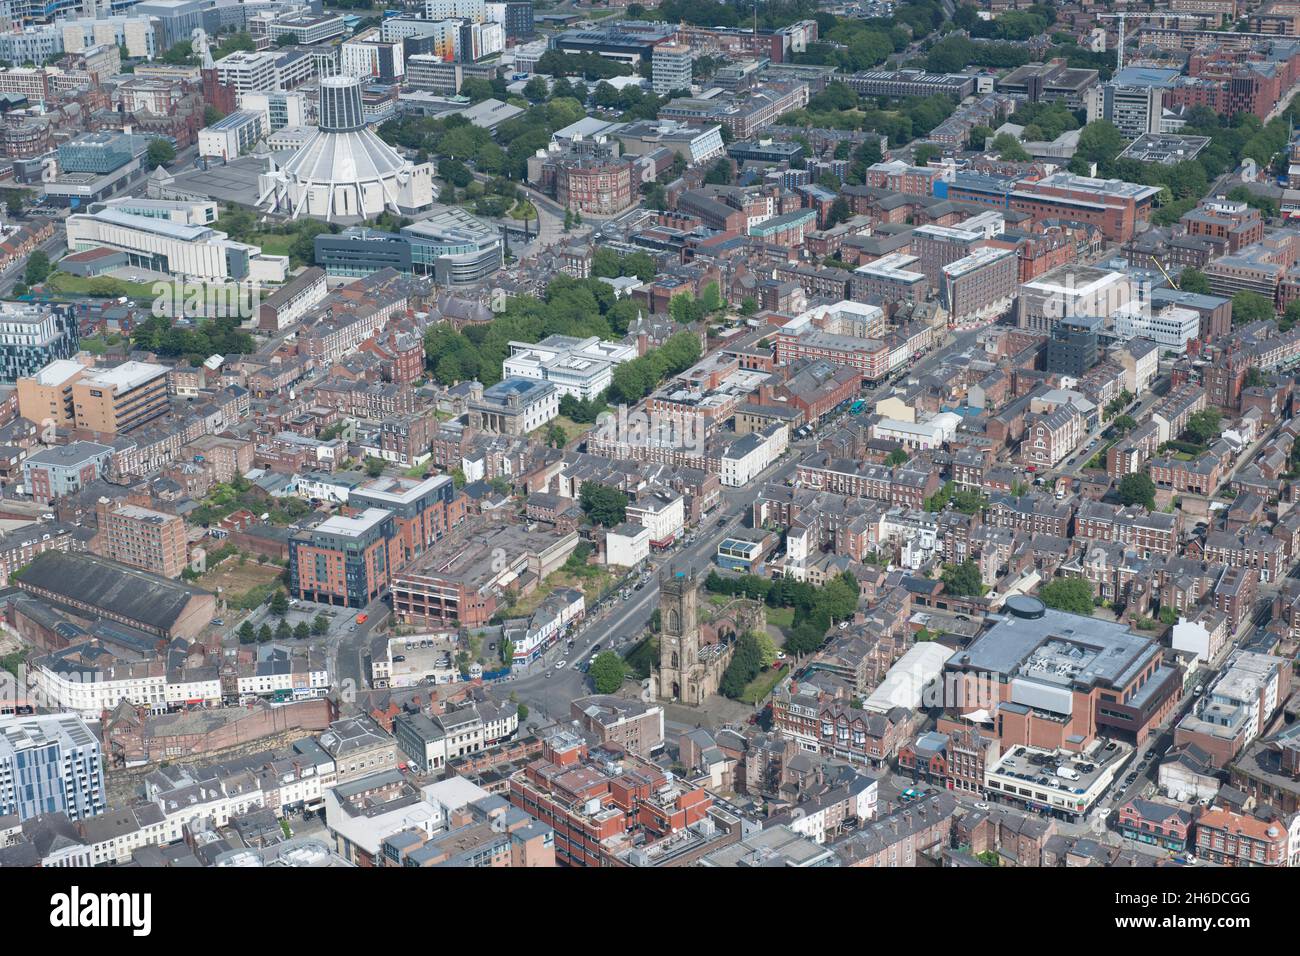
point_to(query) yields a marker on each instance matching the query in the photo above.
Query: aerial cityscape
(557, 433)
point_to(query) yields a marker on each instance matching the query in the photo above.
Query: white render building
(179, 249)
(933, 433)
(345, 171)
(663, 511)
(91, 690)
(627, 545)
(1171, 328)
(747, 456)
(582, 368)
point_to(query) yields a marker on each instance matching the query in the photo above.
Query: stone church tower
(687, 672)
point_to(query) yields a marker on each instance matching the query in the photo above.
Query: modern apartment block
(46, 395)
(344, 560)
(120, 399)
(937, 246)
(143, 538)
(671, 64)
(1071, 292)
(980, 284)
(894, 279)
(64, 469)
(33, 336)
(423, 511)
(48, 764)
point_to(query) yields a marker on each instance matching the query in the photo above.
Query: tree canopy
(963, 580)
(607, 672)
(1067, 594)
(1138, 489)
(603, 504)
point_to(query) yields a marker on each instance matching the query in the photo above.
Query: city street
(620, 624)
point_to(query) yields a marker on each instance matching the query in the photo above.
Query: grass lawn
(99, 344)
(591, 583)
(761, 685)
(274, 243)
(571, 430)
(782, 617)
(104, 287)
(244, 587)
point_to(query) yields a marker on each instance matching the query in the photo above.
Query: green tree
(838, 599)
(1193, 280)
(1100, 142)
(1067, 594)
(283, 631)
(264, 633)
(603, 504)
(279, 603)
(320, 625)
(607, 672)
(924, 153)
(746, 662)
(160, 153)
(374, 467)
(302, 630)
(896, 457)
(1124, 424)
(1009, 149)
(1250, 307)
(962, 580)
(1138, 489)
(247, 633)
(15, 200)
(1205, 426)
(38, 268)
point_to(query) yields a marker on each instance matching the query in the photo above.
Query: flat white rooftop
(353, 525)
(128, 375)
(58, 372)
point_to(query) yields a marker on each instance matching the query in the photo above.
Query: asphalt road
(54, 247)
(619, 624)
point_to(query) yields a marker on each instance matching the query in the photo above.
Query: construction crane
(1122, 18)
(1165, 272)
